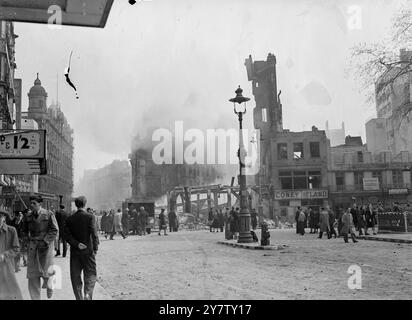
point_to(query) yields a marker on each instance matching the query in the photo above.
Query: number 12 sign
(24, 144)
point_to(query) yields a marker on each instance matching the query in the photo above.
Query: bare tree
(381, 63)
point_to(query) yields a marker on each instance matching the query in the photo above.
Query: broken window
(298, 150)
(314, 149)
(282, 151)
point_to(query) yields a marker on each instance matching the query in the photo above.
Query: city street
(191, 265)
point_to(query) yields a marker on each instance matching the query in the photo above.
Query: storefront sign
(370, 184)
(301, 194)
(398, 191)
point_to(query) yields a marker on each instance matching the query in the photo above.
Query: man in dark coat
(253, 217)
(135, 219)
(297, 219)
(18, 224)
(61, 217)
(332, 218)
(324, 223)
(162, 222)
(210, 220)
(354, 213)
(81, 233)
(9, 249)
(311, 220)
(125, 221)
(172, 220)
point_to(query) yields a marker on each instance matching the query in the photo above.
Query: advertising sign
(23, 144)
(301, 194)
(370, 184)
(23, 152)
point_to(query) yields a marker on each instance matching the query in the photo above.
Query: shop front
(286, 202)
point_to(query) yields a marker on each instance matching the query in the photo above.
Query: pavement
(63, 288)
(192, 265)
(390, 237)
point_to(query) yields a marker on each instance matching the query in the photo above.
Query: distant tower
(37, 101)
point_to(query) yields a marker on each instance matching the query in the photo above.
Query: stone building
(7, 69)
(58, 183)
(152, 181)
(293, 165)
(357, 175)
(392, 130)
(108, 187)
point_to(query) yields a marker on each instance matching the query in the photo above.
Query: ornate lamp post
(244, 233)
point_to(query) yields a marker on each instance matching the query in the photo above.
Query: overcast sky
(160, 61)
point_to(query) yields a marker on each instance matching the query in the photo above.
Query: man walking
(117, 225)
(42, 229)
(172, 221)
(9, 249)
(162, 222)
(324, 223)
(301, 222)
(348, 227)
(125, 221)
(80, 231)
(61, 217)
(18, 224)
(332, 218)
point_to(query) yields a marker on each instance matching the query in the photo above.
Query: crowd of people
(35, 236)
(360, 218)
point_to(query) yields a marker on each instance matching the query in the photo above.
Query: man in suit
(61, 217)
(81, 234)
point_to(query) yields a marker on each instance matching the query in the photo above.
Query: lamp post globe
(244, 216)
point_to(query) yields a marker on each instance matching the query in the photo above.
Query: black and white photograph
(224, 151)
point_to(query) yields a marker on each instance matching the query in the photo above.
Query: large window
(358, 178)
(377, 174)
(295, 180)
(298, 150)
(314, 149)
(397, 178)
(340, 178)
(282, 151)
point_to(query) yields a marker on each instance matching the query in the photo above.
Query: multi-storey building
(392, 130)
(358, 175)
(108, 187)
(57, 185)
(152, 181)
(7, 68)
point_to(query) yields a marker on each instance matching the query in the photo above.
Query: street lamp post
(244, 229)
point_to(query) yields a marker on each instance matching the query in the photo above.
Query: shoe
(49, 293)
(355, 241)
(375, 234)
(367, 234)
(57, 254)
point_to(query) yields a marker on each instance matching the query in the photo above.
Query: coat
(9, 248)
(81, 228)
(117, 222)
(347, 223)
(324, 221)
(110, 223)
(42, 231)
(162, 221)
(172, 219)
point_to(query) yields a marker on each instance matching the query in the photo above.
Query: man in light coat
(9, 250)
(348, 226)
(324, 223)
(117, 225)
(42, 230)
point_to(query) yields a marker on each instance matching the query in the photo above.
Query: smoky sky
(160, 61)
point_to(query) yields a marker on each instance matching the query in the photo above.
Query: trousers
(35, 287)
(87, 264)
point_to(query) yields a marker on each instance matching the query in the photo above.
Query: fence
(395, 221)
